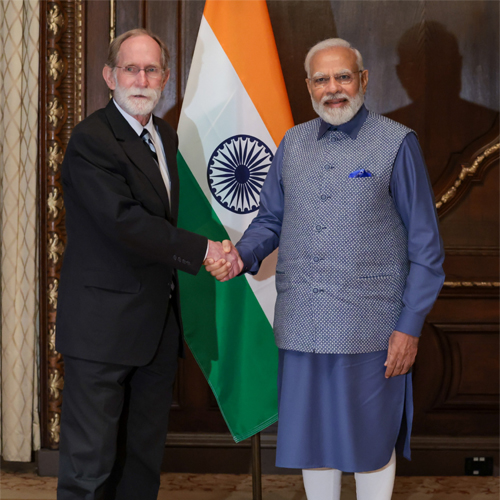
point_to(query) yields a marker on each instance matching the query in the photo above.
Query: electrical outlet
(479, 466)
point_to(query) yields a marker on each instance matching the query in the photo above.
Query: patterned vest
(343, 257)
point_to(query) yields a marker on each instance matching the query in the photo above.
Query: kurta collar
(351, 128)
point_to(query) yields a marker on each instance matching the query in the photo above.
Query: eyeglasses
(152, 72)
(319, 82)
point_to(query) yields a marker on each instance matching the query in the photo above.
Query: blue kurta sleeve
(414, 199)
(263, 234)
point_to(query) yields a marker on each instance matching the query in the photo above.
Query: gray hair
(114, 47)
(329, 43)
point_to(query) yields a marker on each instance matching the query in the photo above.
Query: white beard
(133, 106)
(338, 116)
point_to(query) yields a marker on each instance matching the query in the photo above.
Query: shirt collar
(351, 128)
(135, 124)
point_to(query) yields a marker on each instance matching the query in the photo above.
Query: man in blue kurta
(349, 203)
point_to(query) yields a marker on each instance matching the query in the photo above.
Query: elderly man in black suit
(118, 322)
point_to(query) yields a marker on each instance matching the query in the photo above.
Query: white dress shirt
(155, 138)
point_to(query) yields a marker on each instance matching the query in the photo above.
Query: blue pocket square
(360, 173)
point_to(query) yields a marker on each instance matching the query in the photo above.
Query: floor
(28, 486)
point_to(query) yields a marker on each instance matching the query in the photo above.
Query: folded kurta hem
(339, 411)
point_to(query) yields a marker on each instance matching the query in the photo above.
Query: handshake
(223, 260)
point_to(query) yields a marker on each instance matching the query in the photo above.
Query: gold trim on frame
(51, 338)
(112, 20)
(62, 75)
(55, 111)
(466, 171)
(55, 157)
(53, 293)
(55, 248)
(56, 384)
(54, 203)
(471, 284)
(55, 427)
(55, 20)
(56, 65)
(78, 60)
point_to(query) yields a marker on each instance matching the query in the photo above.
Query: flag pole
(256, 468)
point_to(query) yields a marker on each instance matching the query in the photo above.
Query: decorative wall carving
(56, 384)
(54, 429)
(55, 156)
(54, 203)
(56, 66)
(466, 172)
(61, 96)
(55, 20)
(55, 248)
(55, 112)
(471, 284)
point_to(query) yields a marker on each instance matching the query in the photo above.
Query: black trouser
(114, 425)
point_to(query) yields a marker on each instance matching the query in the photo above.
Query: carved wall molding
(461, 344)
(472, 168)
(55, 19)
(55, 156)
(471, 284)
(112, 20)
(61, 47)
(466, 171)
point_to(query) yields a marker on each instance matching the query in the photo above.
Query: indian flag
(235, 113)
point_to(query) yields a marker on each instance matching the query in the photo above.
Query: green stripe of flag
(226, 329)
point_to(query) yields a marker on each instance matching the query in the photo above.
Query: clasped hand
(223, 260)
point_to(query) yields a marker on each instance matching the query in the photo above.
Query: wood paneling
(61, 103)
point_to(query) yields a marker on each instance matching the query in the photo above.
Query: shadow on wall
(430, 69)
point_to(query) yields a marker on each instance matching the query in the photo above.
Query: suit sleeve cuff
(410, 323)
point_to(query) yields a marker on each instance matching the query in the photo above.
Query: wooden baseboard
(194, 440)
(218, 453)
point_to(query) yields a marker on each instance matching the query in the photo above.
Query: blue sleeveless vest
(343, 257)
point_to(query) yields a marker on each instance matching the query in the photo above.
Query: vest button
(318, 228)
(316, 259)
(315, 290)
(323, 197)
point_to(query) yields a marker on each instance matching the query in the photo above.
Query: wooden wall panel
(61, 103)
(96, 42)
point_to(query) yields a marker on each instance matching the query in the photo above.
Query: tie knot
(146, 137)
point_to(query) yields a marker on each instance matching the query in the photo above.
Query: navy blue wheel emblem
(236, 172)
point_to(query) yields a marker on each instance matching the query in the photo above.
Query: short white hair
(329, 43)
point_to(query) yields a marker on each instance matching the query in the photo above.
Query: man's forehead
(139, 46)
(334, 58)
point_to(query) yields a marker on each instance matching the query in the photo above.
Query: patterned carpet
(28, 486)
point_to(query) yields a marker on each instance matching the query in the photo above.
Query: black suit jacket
(123, 246)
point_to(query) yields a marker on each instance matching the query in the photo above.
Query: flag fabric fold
(235, 112)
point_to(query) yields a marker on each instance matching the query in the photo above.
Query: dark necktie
(146, 137)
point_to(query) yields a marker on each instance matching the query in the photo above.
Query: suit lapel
(170, 148)
(135, 149)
